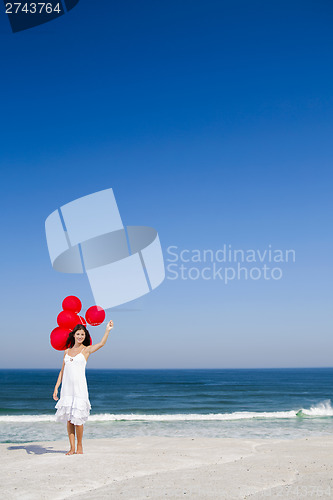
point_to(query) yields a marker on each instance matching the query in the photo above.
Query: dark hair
(71, 340)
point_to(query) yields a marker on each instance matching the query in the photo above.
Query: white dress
(74, 404)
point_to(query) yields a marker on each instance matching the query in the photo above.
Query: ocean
(233, 403)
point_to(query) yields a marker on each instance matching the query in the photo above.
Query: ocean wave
(322, 409)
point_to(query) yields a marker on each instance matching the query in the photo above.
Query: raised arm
(55, 393)
(95, 347)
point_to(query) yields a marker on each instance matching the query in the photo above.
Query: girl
(74, 405)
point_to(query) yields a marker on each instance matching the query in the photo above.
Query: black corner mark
(70, 4)
(25, 15)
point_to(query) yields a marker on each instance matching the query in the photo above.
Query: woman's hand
(109, 326)
(95, 347)
(55, 395)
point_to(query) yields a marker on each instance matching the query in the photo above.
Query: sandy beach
(158, 467)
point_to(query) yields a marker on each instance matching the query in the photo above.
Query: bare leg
(71, 435)
(79, 435)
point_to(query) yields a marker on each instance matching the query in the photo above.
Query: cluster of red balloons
(69, 317)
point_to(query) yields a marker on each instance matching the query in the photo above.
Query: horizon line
(194, 368)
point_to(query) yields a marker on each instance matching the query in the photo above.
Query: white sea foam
(177, 417)
(323, 409)
(27, 418)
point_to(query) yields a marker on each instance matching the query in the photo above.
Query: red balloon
(95, 315)
(72, 303)
(67, 319)
(81, 321)
(58, 338)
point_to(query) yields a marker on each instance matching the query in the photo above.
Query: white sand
(155, 467)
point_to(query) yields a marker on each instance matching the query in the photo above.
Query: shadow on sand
(35, 449)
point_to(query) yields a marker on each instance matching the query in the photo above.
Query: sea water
(240, 403)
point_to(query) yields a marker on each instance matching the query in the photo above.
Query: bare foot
(70, 452)
(79, 450)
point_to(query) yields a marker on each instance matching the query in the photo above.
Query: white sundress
(74, 404)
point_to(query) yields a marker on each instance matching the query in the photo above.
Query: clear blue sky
(212, 122)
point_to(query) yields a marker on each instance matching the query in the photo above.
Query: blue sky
(212, 122)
